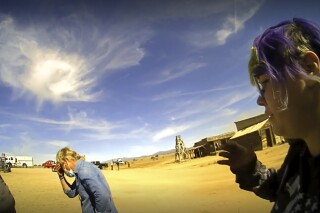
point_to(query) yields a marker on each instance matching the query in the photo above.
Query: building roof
(249, 129)
(250, 121)
(219, 137)
(195, 147)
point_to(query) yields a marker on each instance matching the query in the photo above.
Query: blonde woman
(90, 184)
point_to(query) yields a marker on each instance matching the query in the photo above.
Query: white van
(19, 161)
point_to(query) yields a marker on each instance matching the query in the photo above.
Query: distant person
(89, 183)
(284, 65)
(118, 164)
(7, 202)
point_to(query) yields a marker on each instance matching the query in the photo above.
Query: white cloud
(119, 52)
(125, 133)
(169, 131)
(213, 104)
(58, 143)
(231, 24)
(40, 150)
(81, 120)
(45, 66)
(167, 95)
(47, 73)
(175, 71)
(190, 125)
(176, 94)
(26, 145)
(77, 120)
(188, 105)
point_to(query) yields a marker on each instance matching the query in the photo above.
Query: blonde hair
(67, 153)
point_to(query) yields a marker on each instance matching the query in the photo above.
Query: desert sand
(153, 186)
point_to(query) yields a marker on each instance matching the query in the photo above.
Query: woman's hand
(238, 157)
(59, 170)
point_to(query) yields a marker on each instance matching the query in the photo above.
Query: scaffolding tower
(181, 150)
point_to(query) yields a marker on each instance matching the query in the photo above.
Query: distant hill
(164, 152)
(144, 156)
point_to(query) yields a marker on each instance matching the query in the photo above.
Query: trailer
(19, 161)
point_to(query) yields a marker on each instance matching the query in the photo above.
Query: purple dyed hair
(279, 50)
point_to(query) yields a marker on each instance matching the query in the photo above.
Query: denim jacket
(92, 188)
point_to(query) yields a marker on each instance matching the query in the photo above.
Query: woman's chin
(277, 130)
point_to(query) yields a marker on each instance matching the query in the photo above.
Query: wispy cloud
(125, 132)
(190, 124)
(175, 71)
(176, 94)
(169, 131)
(117, 51)
(43, 65)
(188, 109)
(3, 128)
(31, 146)
(231, 24)
(58, 144)
(26, 145)
(79, 120)
(46, 72)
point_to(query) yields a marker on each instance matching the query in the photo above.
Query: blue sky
(122, 78)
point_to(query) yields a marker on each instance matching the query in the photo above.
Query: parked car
(49, 164)
(100, 165)
(118, 161)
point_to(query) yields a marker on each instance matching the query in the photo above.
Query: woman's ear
(312, 66)
(311, 63)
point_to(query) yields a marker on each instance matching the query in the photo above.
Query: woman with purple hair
(285, 67)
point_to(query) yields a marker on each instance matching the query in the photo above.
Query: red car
(49, 164)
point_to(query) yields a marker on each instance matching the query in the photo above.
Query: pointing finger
(224, 162)
(224, 154)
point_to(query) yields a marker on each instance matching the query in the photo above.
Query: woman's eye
(263, 83)
(262, 86)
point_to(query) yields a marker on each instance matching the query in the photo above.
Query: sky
(114, 79)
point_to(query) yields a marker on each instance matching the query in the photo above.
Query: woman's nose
(261, 101)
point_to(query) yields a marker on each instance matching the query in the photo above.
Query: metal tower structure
(181, 150)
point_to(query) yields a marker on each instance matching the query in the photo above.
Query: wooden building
(255, 133)
(209, 145)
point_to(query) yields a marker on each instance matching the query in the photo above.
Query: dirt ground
(153, 186)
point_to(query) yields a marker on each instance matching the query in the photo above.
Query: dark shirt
(7, 202)
(93, 189)
(294, 187)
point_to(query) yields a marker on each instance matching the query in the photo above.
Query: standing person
(118, 164)
(89, 183)
(111, 164)
(285, 67)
